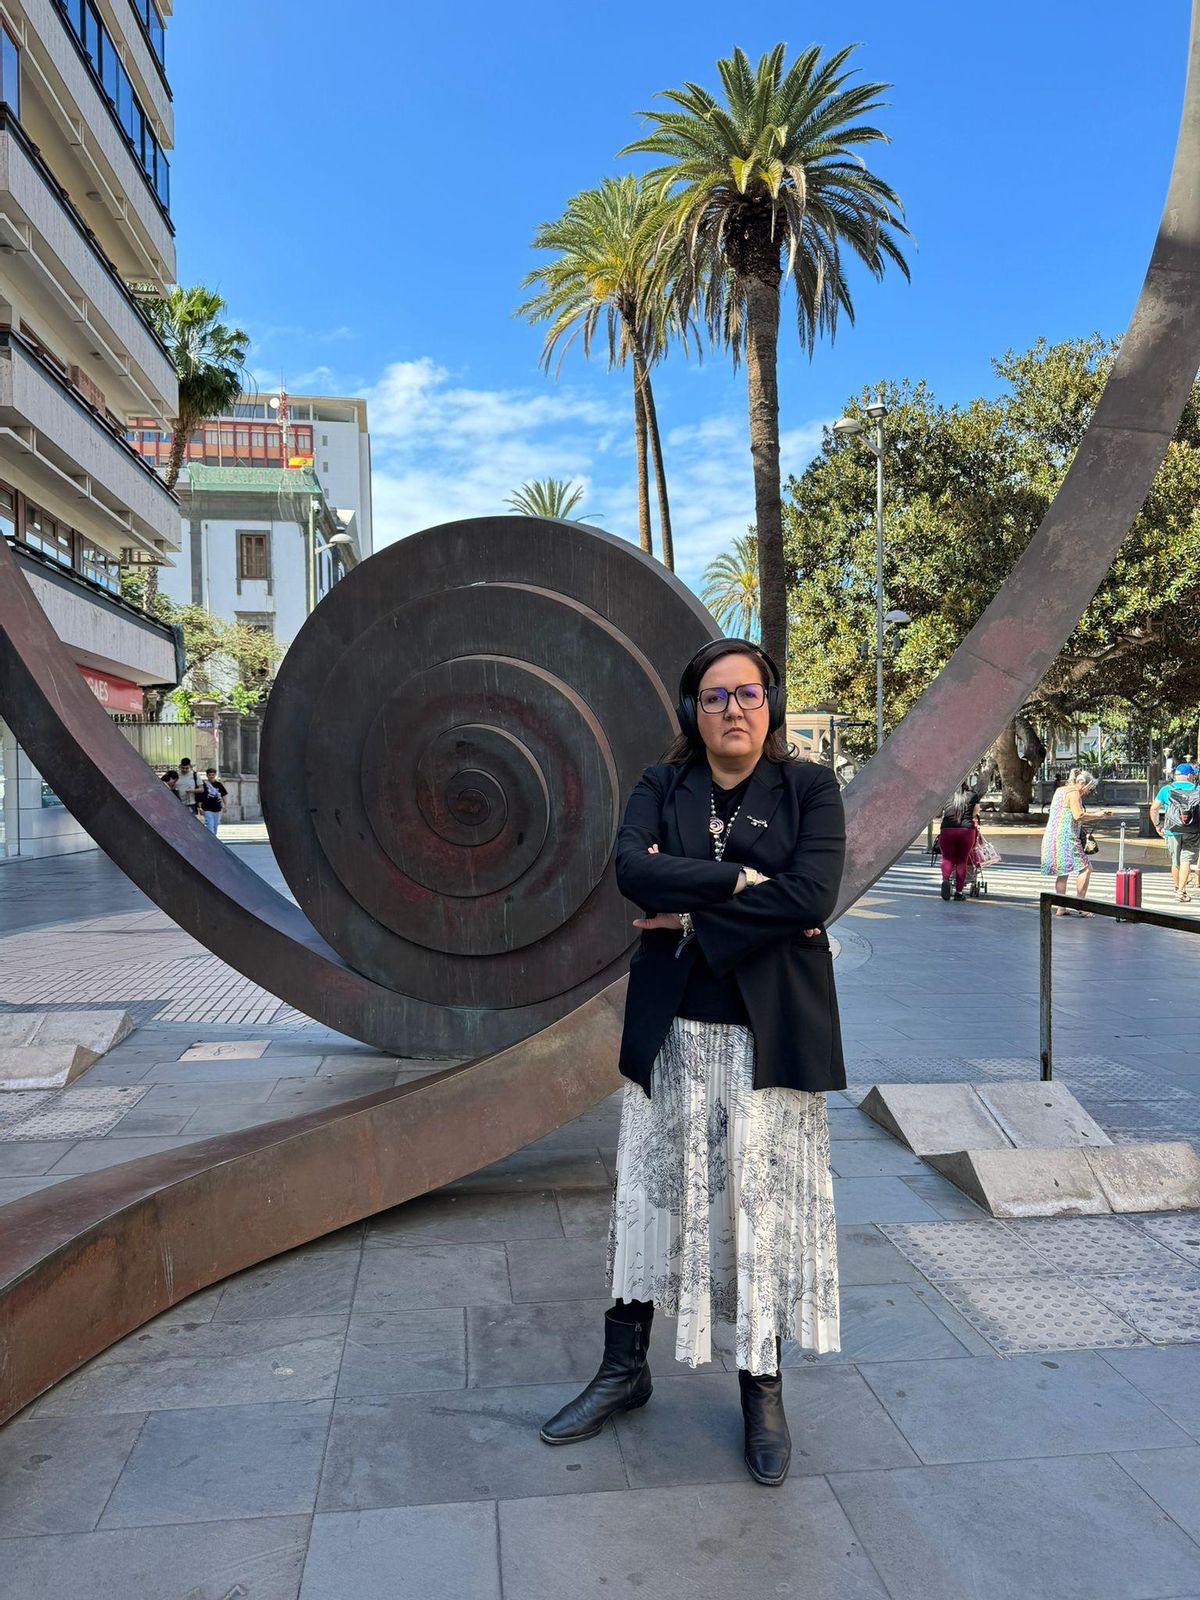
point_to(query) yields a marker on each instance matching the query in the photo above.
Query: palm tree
(555, 498)
(763, 189)
(610, 265)
(731, 588)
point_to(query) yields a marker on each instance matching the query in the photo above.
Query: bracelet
(685, 922)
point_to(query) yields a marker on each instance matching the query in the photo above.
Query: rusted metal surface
(87, 1261)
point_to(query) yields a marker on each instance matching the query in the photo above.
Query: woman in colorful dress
(1063, 855)
(723, 1203)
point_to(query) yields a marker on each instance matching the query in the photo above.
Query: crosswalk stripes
(1022, 882)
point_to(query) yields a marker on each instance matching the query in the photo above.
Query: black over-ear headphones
(689, 683)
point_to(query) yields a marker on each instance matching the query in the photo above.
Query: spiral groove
(445, 755)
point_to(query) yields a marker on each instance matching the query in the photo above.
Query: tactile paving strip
(18, 1103)
(966, 1250)
(1168, 1313)
(1096, 1245)
(1019, 1314)
(1116, 1082)
(1178, 1233)
(74, 1113)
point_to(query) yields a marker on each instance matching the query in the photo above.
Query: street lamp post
(851, 427)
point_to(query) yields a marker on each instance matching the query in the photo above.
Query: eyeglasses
(750, 696)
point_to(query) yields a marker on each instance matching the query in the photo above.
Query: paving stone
(1172, 1480)
(192, 1096)
(271, 1069)
(226, 1461)
(465, 1216)
(869, 1158)
(846, 1122)
(404, 1353)
(139, 1123)
(57, 1473)
(695, 1542)
(585, 1213)
(560, 1343)
(292, 1285)
(226, 1050)
(865, 1255)
(942, 1533)
(184, 1365)
(404, 1553)
(92, 1155)
(691, 1431)
(32, 1159)
(1170, 1377)
(424, 1276)
(533, 1169)
(259, 1558)
(542, 1270)
(879, 1200)
(1092, 1245)
(1038, 1314)
(1178, 1233)
(981, 1409)
(947, 1200)
(1166, 1312)
(883, 1322)
(17, 1188)
(984, 1249)
(473, 1444)
(78, 1113)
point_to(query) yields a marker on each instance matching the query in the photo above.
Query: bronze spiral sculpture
(447, 749)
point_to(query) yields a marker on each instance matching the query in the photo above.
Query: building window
(259, 621)
(10, 70)
(8, 512)
(252, 555)
(100, 567)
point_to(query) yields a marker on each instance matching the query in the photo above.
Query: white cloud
(444, 450)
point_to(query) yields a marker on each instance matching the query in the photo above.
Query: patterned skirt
(723, 1204)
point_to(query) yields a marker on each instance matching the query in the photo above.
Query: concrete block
(935, 1117)
(47, 1049)
(1148, 1177)
(42, 1066)
(1027, 1183)
(1041, 1116)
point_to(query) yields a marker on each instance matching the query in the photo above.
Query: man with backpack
(1175, 814)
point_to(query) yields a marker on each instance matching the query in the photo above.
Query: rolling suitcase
(1129, 880)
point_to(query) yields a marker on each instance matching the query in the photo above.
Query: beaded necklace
(718, 829)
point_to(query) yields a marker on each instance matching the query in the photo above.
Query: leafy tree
(966, 488)
(766, 188)
(555, 498)
(608, 270)
(731, 588)
(227, 659)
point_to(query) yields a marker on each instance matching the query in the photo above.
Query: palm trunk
(179, 442)
(643, 487)
(762, 340)
(656, 461)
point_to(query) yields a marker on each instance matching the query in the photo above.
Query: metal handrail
(1099, 908)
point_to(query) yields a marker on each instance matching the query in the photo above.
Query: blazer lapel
(693, 807)
(754, 815)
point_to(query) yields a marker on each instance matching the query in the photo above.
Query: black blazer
(791, 826)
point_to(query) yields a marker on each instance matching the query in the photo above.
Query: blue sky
(364, 194)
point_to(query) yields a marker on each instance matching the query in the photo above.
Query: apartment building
(85, 127)
(325, 434)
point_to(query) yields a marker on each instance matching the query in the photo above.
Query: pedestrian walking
(722, 1210)
(1175, 813)
(957, 840)
(1063, 852)
(171, 779)
(187, 785)
(212, 797)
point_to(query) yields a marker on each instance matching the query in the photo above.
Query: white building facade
(85, 123)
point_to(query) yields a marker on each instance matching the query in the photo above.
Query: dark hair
(684, 748)
(207, 770)
(167, 776)
(186, 761)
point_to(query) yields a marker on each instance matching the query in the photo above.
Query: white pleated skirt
(723, 1204)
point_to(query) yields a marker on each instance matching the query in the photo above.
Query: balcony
(143, 49)
(52, 251)
(67, 448)
(66, 110)
(99, 629)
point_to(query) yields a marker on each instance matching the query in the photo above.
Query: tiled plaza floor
(1015, 1411)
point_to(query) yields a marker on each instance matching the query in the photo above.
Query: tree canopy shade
(610, 271)
(555, 498)
(966, 489)
(731, 588)
(765, 188)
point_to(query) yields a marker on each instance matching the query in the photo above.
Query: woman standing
(958, 837)
(723, 1204)
(1063, 855)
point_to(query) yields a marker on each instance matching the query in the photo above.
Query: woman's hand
(660, 919)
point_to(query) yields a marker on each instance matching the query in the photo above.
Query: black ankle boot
(622, 1384)
(768, 1442)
